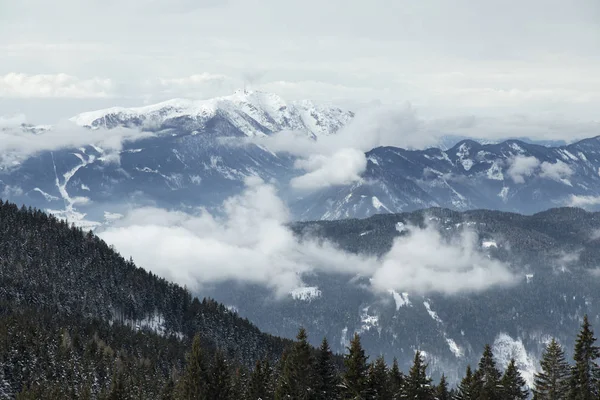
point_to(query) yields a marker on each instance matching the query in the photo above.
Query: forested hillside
(56, 280)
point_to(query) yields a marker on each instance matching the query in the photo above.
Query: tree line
(305, 373)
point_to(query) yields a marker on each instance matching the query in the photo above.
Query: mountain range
(554, 256)
(197, 153)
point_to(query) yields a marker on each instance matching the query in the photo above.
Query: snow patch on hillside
(486, 244)
(306, 293)
(454, 348)
(432, 313)
(505, 348)
(47, 196)
(401, 299)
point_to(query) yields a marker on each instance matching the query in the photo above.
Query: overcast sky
(485, 58)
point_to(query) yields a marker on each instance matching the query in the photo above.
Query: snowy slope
(253, 113)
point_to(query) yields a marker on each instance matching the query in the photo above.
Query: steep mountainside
(509, 176)
(197, 153)
(50, 272)
(193, 153)
(555, 255)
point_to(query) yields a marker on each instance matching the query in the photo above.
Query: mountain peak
(254, 113)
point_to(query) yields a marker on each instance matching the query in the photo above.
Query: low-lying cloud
(521, 167)
(557, 171)
(18, 142)
(341, 168)
(583, 201)
(339, 159)
(251, 242)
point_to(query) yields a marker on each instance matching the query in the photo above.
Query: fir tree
(326, 374)
(585, 376)
(486, 380)
(442, 392)
(396, 380)
(417, 384)
(514, 386)
(118, 388)
(259, 386)
(552, 382)
(298, 378)
(219, 379)
(465, 388)
(240, 385)
(193, 384)
(379, 387)
(355, 378)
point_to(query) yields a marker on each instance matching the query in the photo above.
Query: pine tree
(240, 385)
(259, 386)
(355, 378)
(552, 382)
(585, 376)
(442, 392)
(326, 374)
(486, 380)
(193, 384)
(514, 386)
(396, 380)
(379, 387)
(465, 388)
(298, 377)
(219, 379)
(167, 392)
(417, 384)
(118, 389)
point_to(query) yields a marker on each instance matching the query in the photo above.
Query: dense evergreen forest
(79, 321)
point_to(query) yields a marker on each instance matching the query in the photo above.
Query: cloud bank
(15, 85)
(18, 143)
(252, 242)
(522, 167)
(340, 159)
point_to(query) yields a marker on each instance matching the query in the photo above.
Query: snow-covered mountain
(510, 176)
(198, 152)
(252, 113)
(193, 153)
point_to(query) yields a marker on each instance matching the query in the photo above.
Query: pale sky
(486, 59)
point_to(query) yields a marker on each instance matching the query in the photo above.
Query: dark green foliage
(298, 378)
(355, 378)
(260, 385)
(418, 384)
(486, 380)
(585, 376)
(219, 378)
(379, 385)
(513, 384)
(326, 374)
(396, 380)
(552, 382)
(466, 388)
(442, 392)
(193, 384)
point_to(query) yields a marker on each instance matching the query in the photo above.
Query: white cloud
(17, 144)
(339, 159)
(53, 86)
(426, 262)
(253, 243)
(558, 171)
(583, 201)
(341, 168)
(521, 167)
